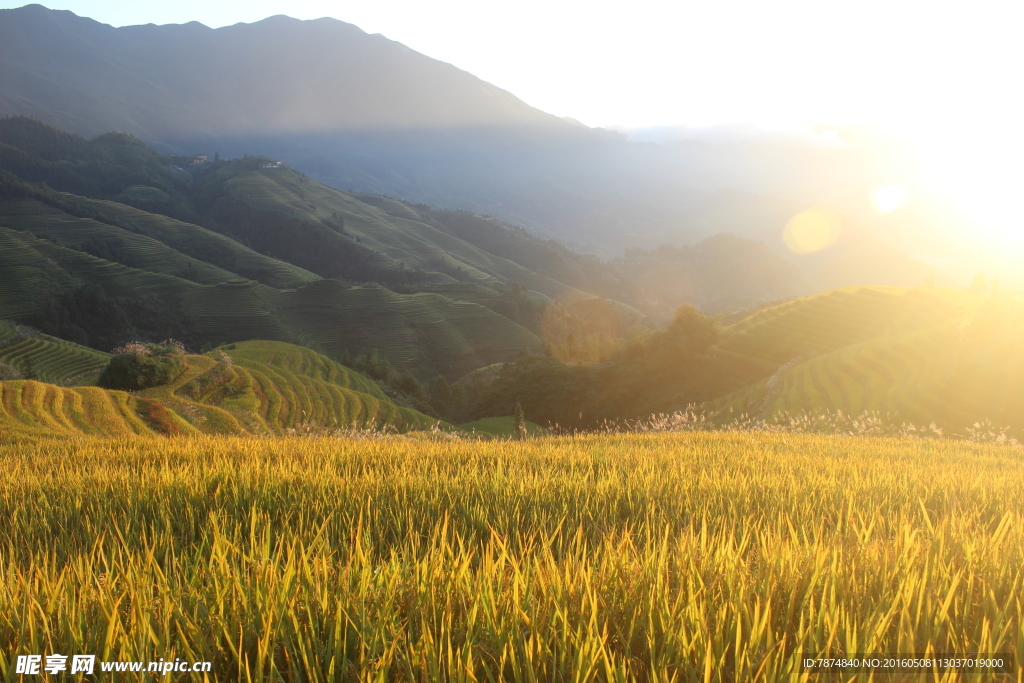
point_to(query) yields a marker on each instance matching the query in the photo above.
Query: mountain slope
(916, 355)
(338, 234)
(226, 255)
(111, 242)
(267, 246)
(278, 211)
(41, 281)
(921, 356)
(146, 266)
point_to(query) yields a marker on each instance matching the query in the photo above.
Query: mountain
(277, 75)
(362, 112)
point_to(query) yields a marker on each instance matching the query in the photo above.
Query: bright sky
(944, 76)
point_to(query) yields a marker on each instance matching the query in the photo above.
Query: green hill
(358, 237)
(430, 333)
(921, 355)
(840, 317)
(277, 211)
(109, 166)
(915, 356)
(418, 331)
(102, 273)
(107, 241)
(250, 387)
(195, 242)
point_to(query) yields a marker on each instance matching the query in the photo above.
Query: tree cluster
(90, 316)
(657, 372)
(139, 365)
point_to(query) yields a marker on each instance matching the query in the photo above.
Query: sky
(943, 77)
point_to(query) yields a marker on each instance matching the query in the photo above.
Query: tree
(518, 422)
(29, 369)
(441, 397)
(139, 365)
(692, 329)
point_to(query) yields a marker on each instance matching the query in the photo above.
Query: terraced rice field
(300, 361)
(406, 241)
(907, 357)
(390, 228)
(839, 318)
(211, 247)
(265, 388)
(30, 409)
(237, 310)
(271, 388)
(24, 272)
(426, 331)
(48, 263)
(138, 251)
(50, 360)
(230, 310)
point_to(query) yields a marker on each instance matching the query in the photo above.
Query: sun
(888, 198)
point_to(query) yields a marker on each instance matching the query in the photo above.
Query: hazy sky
(943, 75)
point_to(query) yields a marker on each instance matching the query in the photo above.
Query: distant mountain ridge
(279, 75)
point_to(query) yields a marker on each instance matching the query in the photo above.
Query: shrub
(9, 372)
(156, 416)
(139, 365)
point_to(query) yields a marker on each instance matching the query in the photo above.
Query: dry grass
(867, 423)
(653, 557)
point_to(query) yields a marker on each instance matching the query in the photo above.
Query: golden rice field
(658, 557)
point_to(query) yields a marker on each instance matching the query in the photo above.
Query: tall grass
(652, 557)
(867, 423)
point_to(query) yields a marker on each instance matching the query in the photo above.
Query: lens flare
(812, 230)
(888, 198)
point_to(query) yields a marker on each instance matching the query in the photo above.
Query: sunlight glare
(979, 172)
(888, 198)
(812, 230)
